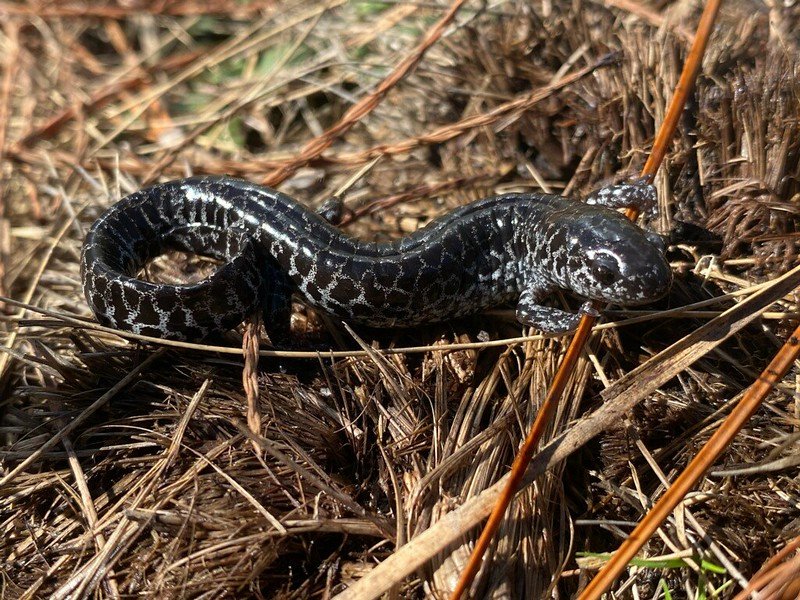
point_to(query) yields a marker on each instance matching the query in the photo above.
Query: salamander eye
(605, 270)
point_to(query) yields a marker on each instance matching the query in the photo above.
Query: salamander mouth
(648, 291)
(635, 291)
(648, 298)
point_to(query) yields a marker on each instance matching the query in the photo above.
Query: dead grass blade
(619, 399)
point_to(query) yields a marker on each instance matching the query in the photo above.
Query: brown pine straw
(649, 15)
(785, 576)
(105, 95)
(363, 107)
(81, 418)
(567, 367)
(49, 9)
(618, 401)
(11, 65)
(708, 454)
(519, 104)
(314, 149)
(424, 190)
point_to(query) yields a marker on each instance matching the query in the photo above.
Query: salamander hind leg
(638, 194)
(547, 318)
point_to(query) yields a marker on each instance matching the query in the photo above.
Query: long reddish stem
(660, 145)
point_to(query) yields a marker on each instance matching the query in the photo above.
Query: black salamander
(504, 248)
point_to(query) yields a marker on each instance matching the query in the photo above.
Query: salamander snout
(628, 278)
(620, 263)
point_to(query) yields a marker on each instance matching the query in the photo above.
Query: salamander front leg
(548, 319)
(638, 194)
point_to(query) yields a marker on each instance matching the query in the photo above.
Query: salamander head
(611, 259)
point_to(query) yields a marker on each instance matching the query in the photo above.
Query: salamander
(516, 247)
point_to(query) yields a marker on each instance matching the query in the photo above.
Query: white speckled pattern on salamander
(513, 246)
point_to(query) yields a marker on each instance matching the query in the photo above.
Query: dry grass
(163, 490)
